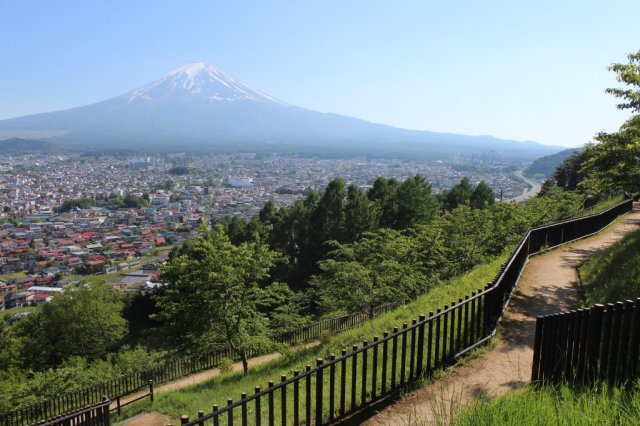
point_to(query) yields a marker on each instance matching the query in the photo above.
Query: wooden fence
(588, 345)
(132, 383)
(92, 415)
(345, 385)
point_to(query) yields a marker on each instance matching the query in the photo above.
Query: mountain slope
(18, 145)
(200, 107)
(546, 166)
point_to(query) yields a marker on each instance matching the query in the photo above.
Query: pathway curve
(549, 284)
(157, 419)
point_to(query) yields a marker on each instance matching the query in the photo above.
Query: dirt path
(158, 419)
(549, 284)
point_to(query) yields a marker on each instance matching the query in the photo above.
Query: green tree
(168, 185)
(72, 203)
(415, 203)
(613, 164)
(384, 193)
(482, 196)
(214, 293)
(84, 321)
(458, 195)
(360, 213)
(629, 74)
(569, 174)
(379, 268)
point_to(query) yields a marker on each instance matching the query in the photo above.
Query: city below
(73, 217)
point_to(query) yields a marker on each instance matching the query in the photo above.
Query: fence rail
(336, 389)
(92, 415)
(588, 345)
(128, 384)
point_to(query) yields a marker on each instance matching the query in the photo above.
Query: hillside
(18, 145)
(546, 166)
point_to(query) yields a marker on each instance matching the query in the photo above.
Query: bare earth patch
(148, 419)
(549, 284)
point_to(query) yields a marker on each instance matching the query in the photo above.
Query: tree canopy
(214, 294)
(84, 321)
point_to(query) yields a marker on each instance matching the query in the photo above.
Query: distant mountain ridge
(198, 106)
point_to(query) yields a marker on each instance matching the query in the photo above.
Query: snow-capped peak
(199, 81)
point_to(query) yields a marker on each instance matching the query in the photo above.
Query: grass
(613, 274)
(555, 405)
(202, 396)
(11, 276)
(13, 311)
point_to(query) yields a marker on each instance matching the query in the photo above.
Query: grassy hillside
(544, 167)
(613, 274)
(201, 396)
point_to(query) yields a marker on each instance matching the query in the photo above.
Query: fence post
(420, 356)
(319, 383)
(635, 341)
(151, 390)
(593, 345)
(535, 374)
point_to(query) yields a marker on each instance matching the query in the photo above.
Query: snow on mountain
(198, 106)
(199, 81)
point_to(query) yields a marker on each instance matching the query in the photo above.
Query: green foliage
(629, 74)
(179, 170)
(21, 388)
(458, 195)
(554, 205)
(214, 293)
(225, 366)
(84, 321)
(569, 174)
(558, 406)
(379, 268)
(482, 196)
(546, 166)
(613, 274)
(416, 205)
(72, 203)
(614, 163)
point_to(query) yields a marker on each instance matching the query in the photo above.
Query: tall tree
(629, 74)
(458, 195)
(214, 293)
(384, 193)
(415, 202)
(482, 196)
(614, 162)
(360, 214)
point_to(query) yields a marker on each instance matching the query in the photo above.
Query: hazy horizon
(523, 72)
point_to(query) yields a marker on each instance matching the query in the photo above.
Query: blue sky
(532, 70)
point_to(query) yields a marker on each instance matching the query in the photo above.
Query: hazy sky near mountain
(532, 70)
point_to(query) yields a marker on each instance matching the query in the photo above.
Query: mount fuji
(200, 107)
